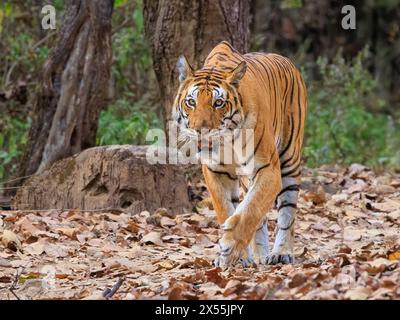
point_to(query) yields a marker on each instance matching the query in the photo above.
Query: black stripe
(294, 160)
(232, 115)
(281, 154)
(214, 54)
(259, 169)
(288, 227)
(291, 171)
(292, 96)
(235, 200)
(275, 86)
(207, 71)
(296, 175)
(208, 78)
(285, 162)
(224, 173)
(258, 229)
(255, 149)
(285, 72)
(284, 205)
(292, 187)
(181, 113)
(299, 106)
(215, 82)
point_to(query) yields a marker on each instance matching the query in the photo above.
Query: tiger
(265, 93)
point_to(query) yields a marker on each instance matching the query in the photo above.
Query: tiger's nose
(201, 125)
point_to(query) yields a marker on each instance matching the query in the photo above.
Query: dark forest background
(353, 76)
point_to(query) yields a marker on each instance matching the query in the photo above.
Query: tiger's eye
(191, 102)
(218, 103)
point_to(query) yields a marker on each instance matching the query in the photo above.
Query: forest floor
(347, 247)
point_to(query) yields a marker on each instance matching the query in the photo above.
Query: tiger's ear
(237, 74)
(184, 68)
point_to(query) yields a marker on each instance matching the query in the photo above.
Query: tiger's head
(208, 102)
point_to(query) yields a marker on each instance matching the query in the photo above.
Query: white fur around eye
(218, 93)
(191, 96)
(192, 93)
(191, 103)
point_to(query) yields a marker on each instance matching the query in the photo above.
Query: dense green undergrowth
(339, 127)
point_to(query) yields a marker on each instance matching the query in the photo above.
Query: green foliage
(22, 57)
(22, 54)
(339, 127)
(13, 137)
(132, 68)
(291, 4)
(58, 4)
(127, 120)
(119, 3)
(124, 123)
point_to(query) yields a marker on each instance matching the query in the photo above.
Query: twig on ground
(108, 293)
(14, 294)
(15, 282)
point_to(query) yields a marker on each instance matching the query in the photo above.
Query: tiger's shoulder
(225, 57)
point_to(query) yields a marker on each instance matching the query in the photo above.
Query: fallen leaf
(201, 263)
(214, 276)
(4, 263)
(69, 232)
(351, 234)
(359, 293)
(317, 198)
(297, 280)
(204, 240)
(358, 186)
(167, 222)
(344, 249)
(394, 256)
(54, 250)
(27, 227)
(133, 227)
(175, 293)
(388, 205)
(35, 249)
(231, 287)
(381, 263)
(356, 169)
(152, 237)
(10, 240)
(339, 198)
(166, 264)
(172, 238)
(395, 215)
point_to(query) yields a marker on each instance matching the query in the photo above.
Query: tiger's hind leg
(282, 251)
(290, 161)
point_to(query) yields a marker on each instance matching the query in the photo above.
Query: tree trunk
(192, 28)
(74, 86)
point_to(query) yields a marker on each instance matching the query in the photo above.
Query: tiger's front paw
(233, 244)
(275, 258)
